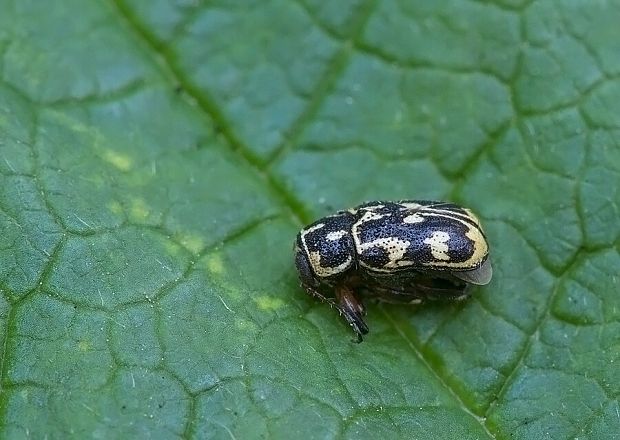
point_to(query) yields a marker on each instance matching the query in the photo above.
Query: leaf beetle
(398, 252)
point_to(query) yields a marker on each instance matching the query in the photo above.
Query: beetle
(402, 252)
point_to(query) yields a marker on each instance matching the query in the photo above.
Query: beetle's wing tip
(480, 276)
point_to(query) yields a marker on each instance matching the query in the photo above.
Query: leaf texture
(158, 157)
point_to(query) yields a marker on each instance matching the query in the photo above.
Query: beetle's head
(304, 268)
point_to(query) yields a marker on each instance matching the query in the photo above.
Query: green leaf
(158, 157)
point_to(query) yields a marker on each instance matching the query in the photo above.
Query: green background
(158, 157)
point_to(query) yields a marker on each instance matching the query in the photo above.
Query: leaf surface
(158, 157)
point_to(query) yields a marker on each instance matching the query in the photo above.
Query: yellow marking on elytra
(315, 261)
(474, 233)
(481, 247)
(118, 160)
(308, 231)
(268, 303)
(458, 216)
(139, 210)
(395, 248)
(84, 346)
(368, 216)
(438, 244)
(322, 271)
(315, 257)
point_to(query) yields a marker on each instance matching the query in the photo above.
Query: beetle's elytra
(399, 252)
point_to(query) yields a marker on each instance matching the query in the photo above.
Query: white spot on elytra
(438, 245)
(414, 218)
(337, 235)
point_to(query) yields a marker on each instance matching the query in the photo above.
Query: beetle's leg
(393, 296)
(415, 294)
(451, 294)
(315, 293)
(352, 310)
(348, 306)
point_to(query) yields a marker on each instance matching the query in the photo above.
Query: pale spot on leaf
(118, 160)
(194, 243)
(215, 264)
(115, 207)
(268, 303)
(139, 210)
